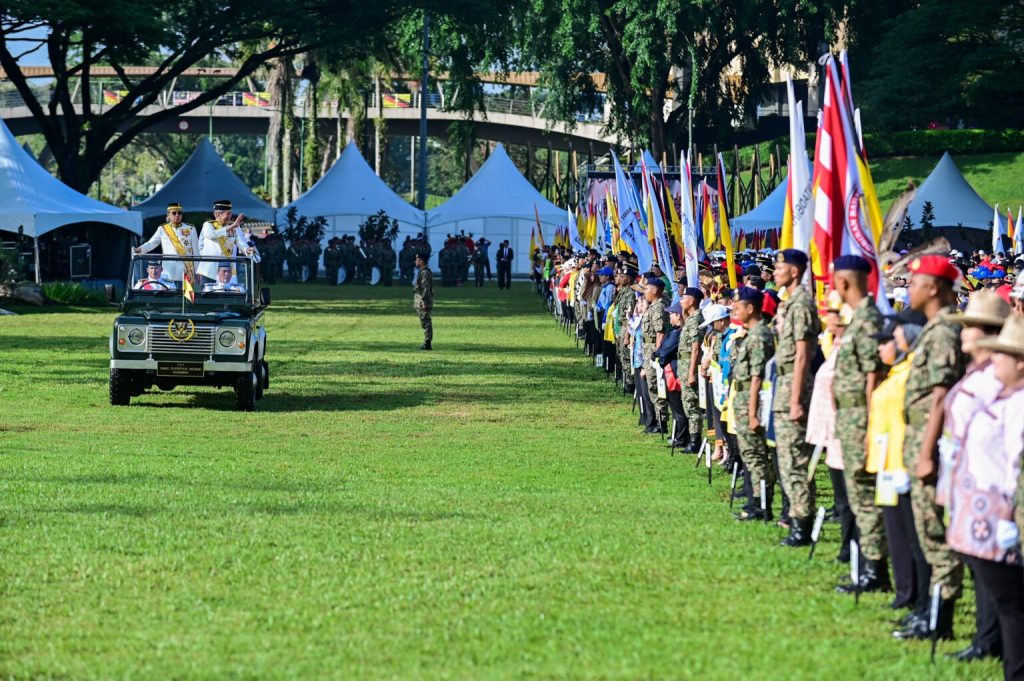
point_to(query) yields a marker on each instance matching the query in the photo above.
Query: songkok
(936, 266)
(222, 205)
(854, 263)
(793, 256)
(173, 206)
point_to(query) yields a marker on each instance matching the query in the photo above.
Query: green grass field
(484, 511)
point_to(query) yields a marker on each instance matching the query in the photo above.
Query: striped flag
(725, 233)
(688, 225)
(187, 292)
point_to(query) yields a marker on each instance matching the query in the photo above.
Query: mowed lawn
(484, 511)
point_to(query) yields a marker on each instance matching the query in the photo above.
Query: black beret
(656, 282)
(694, 292)
(748, 294)
(854, 263)
(792, 256)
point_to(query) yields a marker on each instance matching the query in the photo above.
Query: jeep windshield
(211, 279)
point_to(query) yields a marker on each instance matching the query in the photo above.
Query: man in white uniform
(222, 237)
(225, 280)
(155, 279)
(175, 238)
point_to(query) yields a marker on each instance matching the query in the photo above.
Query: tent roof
(351, 187)
(497, 190)
(953, 200)
(648, 160)
(32, 198)
(202, 180)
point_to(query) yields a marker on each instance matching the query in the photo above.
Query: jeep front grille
(159, 340)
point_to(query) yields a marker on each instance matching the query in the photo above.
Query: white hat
(712, 313)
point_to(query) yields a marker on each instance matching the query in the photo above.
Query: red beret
(935, 265)
(769, 306)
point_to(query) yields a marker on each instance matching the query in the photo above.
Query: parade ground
(484, 510)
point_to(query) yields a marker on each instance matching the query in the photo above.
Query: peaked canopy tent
(349, 193)
(203, 179)
(498, 203)
(38, 203)
(956, 206)
(767, 215)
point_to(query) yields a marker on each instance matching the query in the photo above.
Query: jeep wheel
(266, 374)
(120, 388)
(245, 391)
(261, 368)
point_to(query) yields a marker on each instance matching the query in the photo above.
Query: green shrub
(69, 293)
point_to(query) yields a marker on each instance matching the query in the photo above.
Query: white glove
(1007, 534)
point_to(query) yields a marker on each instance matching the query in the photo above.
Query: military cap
(748, 294)
(174, 205)
(853, 263)
(628, 269)
(936, 266)
(674, 308)
(656, 282)
(223, 266)
(605, 272)
(792, 256)
(693, 292)
(224, 204)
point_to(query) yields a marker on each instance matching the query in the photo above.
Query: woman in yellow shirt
(885, 458)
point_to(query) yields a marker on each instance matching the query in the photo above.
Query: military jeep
(165, 338)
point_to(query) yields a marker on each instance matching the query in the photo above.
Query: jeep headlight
(136, 336)
(226, 339)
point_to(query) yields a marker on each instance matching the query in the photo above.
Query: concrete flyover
(511, 121)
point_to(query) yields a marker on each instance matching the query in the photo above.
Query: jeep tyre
(120, 388)
(245, 391)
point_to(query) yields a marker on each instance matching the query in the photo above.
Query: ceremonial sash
(179, 247)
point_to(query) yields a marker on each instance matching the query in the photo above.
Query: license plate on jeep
(180, 369)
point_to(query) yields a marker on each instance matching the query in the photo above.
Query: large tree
(948, 61)
(77, 35)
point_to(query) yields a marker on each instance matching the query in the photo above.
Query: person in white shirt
(221, 237)
(155, 279)
(224, 281)
(174, 238)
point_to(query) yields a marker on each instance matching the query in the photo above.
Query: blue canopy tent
(767, 215)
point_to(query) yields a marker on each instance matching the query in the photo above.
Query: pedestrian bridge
(510, 118)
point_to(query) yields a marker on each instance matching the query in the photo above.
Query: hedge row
(911, 143)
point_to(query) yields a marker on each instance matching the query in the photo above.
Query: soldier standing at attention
(752, 347)
(859, 369)
(625, 302)
(798, 327)
(423, 299)
(689, 357)
(938, 364)
(654, 325)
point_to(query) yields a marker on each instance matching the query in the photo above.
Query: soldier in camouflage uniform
(858, 370)
(689, 362)
(332, 261)
(625, 303)
(423, 299)
(798, 327)
(655, 325)
(938, 364)
(751, 349)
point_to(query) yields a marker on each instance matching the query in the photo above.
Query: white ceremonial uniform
(217, 242)
(187, 239)
(161, 284)
(230, 287)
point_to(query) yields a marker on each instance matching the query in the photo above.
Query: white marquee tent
(202, 180)
(498, 203)
(35, 200)
(38, 203)
(348, 194)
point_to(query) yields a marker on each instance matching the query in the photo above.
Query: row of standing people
(920, 415)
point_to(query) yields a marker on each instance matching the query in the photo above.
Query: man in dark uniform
(423, 299)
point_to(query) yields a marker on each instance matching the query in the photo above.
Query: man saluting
(175, 238)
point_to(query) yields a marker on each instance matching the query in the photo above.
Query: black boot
(874, 576)
(425, 346)
(918, 629)
(799, 533)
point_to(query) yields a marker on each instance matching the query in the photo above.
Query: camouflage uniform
(625, 302)
(938, 362)
(423, 301)
(750, 351)
(858, 356)
(691, 333)
(654, 321)
(797, 320)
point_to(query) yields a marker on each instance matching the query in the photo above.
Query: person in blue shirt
(607, 295)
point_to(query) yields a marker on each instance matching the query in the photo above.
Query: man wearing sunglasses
(175, 237)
